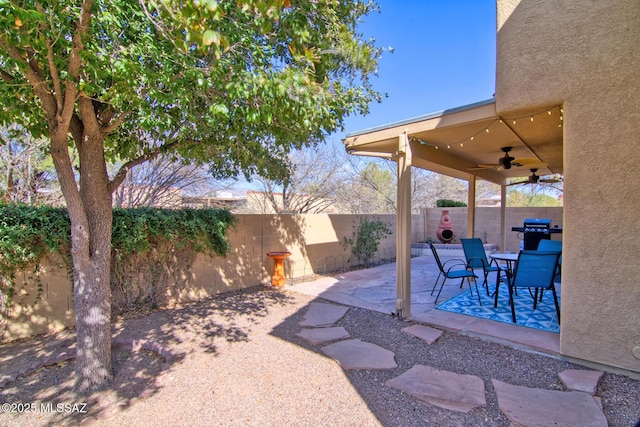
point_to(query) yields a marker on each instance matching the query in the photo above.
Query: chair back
(435, 255)
(551, 246)
(474, 253)
(535, 269)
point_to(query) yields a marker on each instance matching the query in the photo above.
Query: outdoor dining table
(509, 259)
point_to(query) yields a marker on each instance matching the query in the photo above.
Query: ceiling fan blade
(526, 161)
(550, 180)
(482, 167)
(518, 183)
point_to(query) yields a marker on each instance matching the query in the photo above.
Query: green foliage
(366, 238)
(233, 84)
(518, 198)
(448, 203)
(28, 234)
(139, 230)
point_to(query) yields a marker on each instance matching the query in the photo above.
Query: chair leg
(486, 282)
(438, 296)
(436, 284)
(476, 285)
(513, 306)
(462, 284)
(555, 300)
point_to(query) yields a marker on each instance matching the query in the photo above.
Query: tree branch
(8, 78)
(75, 61)
(53, 69)
(34, 78)
(125, 168)
(116, 123)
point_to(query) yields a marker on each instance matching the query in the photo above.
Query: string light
(514, 120)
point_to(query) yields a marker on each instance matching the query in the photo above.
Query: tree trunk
(89, 207)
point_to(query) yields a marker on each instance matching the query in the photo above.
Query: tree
(311, 186)
(28, 175)
(161, 183)
(234, 84)
(368, 187)
(538, 195)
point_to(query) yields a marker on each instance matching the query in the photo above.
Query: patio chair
(553, 246)
(534, 270)
(451, 270)
(477, 259)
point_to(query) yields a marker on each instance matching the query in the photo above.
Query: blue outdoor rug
(543, 317)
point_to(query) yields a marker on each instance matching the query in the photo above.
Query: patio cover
(455, 142)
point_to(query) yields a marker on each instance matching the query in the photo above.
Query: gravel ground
(236, 360)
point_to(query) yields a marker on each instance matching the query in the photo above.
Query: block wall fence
(315, 243)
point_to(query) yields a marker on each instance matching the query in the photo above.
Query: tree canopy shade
(234, 84)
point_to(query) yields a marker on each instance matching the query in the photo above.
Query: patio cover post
(403, 229)
(471, 209)
(503, 214)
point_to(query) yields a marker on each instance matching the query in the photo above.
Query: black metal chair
(453, 271)
(534, 270)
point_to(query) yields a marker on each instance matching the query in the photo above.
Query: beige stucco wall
(313, 240)
(586, 55)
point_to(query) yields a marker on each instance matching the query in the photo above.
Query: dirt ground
(236, 360)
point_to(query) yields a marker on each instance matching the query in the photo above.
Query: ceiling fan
(506, 162)
(535, 179)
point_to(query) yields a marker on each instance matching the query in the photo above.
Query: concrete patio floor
(375, 289)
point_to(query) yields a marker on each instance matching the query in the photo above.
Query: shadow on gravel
(142, 348)
(458, 353)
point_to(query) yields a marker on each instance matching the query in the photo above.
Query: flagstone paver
(321, 314)
(526, 407)
(356, 354)
(425, 333)
(581, 380)
(322, 335)
(444, 389)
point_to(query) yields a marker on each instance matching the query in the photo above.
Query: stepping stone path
(523, 406)
(579, 380)
(442, 388)
(425, 333)
(356, 354)
(537, 407)
(322, 335)
(320, 314)
(351, 354)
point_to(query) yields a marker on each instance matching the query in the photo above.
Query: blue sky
(444, 57)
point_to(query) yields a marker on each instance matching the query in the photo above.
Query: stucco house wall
(585, 55)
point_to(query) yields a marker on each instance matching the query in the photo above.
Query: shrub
(448, 203)
(147, 244)
(366, 238)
